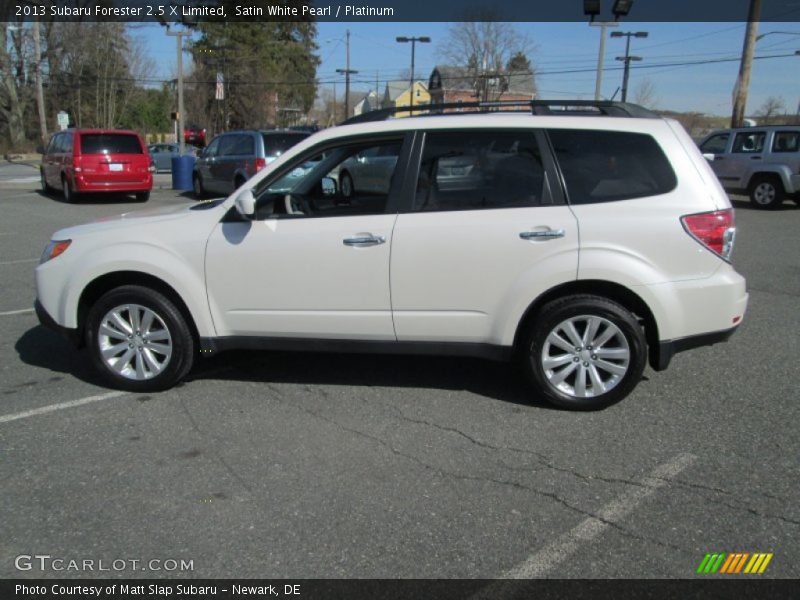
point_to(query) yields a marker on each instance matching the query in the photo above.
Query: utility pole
(404, 40)
(37, 58)
(601, 54)
(179, 35)
(628, 58)
(347, 72)
(743, 81)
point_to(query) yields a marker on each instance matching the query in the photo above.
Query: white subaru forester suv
(580, 238)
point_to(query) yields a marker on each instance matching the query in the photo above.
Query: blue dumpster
(182, 172)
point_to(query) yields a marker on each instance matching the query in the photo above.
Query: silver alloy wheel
(585, 356)
(764, 193)
(134, 342)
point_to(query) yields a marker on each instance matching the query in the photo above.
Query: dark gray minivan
(233, 157)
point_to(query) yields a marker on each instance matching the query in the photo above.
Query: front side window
(716, 144)
(353, 179)
(785, 141)
(749, 142)
(605, 166)
(212, 149)
(478, 170)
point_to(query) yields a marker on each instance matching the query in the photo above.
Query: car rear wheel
(142, 196)
(139, 340)
(69, 196)
(584, 352)
(197, 186)
(766, 192)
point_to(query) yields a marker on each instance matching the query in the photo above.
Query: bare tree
(772, 107)
(645, 94)
(483, 48)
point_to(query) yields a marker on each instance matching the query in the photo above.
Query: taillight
(260, 164)
(715, 230)
(76, 164)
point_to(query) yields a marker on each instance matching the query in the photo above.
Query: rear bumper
(669, 348)
(73, 335)
(84, 185)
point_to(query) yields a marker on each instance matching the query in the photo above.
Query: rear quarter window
(606, 166)
(110, 143)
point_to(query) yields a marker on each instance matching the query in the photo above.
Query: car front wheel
(139, 340)
(584, 352)
(197, 186)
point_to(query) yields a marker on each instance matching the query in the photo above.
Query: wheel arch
(109, 281)
(605, 289)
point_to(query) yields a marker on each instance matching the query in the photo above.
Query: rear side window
(605, 166)
(277, 144)
(478, 170)
(785, 141)
(237, 145)
(749, 142)
(110, 143)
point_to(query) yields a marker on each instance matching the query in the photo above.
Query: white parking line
(18, 262)
(22, 311)
(556, 552)
(60, 406)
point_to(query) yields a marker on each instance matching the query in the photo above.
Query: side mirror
(246, 203)
(328, 186)
(709, 157)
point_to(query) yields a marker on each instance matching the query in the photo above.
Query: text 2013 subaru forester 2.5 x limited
(581, 238)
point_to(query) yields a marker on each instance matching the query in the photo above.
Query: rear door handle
(363, 241)
(547, 234)
(755, 158)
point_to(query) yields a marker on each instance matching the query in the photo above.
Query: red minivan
(84, 161)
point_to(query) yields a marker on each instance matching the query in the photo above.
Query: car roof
(97, 131)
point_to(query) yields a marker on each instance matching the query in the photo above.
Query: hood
(142, 219)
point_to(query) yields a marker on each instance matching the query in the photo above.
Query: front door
(310, 264)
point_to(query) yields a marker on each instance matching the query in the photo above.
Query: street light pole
(601, 55)
(179, 35)
(628, 58)
(404, 40)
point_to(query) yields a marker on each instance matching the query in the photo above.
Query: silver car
(762, 162)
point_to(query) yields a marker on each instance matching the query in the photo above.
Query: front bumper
(73, 335)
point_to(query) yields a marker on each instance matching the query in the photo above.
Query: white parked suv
(582, 240)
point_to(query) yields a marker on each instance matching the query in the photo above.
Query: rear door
(479, 240)
(113, 158)
(205, 163)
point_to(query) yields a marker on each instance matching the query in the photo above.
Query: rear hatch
(276, 144)
(113, 158)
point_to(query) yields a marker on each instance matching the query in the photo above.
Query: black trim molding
(669, 348)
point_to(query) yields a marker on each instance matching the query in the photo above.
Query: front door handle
(363, 241)
(755, 158)
(547, 234)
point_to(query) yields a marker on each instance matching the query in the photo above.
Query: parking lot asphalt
(289, 465)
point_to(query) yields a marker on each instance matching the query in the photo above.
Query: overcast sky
(565, 56)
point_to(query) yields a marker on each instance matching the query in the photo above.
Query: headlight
(53, 249)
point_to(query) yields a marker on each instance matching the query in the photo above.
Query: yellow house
(398, 94)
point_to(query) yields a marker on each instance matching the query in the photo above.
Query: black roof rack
(536, 107)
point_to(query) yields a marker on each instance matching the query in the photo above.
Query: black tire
(175, 368)
(142, 196)
(556, 313)
(766, 192)
(45, 188)
(197, 186)
(70, 197)
(346, 183)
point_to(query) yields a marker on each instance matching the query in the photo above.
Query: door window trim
(552, 194)
(397, 190)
